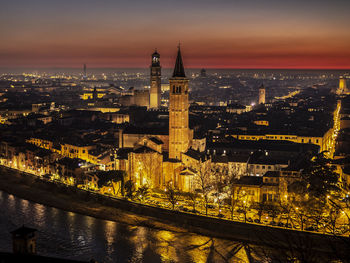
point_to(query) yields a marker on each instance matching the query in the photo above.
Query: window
(264, 197)
(263, 166)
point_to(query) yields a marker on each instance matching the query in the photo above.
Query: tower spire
(179, 70)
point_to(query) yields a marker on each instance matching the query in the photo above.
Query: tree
(332, 219)
(147, 167)
(316, 208)
(192, 196)
(260, 207)
(273, 210)
(203, 182)
(219, 174)
(244, 206)
(110, 178)
(234, 198)
(345, 212)
(286, 208)
(129, 189)
(320, 178)
(172, 195)
(142, 193)
(301, 215)
(229, 189)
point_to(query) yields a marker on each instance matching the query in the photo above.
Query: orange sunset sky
(213, 34)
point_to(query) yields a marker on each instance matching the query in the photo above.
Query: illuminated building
(84, 76)
(178, 111)
(155, 90)
(272, 187)
(91, 95)
(323, 140)
(262, 94)
(342, 86)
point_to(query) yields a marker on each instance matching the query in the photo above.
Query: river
(74, 236)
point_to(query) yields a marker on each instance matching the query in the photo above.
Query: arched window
(173, 89)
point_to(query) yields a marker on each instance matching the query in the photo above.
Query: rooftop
(23, 231)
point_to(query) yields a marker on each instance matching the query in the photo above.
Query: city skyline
(241, 35)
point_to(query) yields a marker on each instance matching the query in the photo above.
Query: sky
(212, 33)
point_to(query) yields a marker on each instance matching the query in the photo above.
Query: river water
(74, 236)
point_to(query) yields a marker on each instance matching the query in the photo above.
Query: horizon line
(188, 68)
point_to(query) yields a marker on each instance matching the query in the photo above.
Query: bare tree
(286, 208)
(219, 175)
(147, 168)
(203, 182)
(301, 215)
(332, 219)
(234, 198)
(192, 196)
(232, 194)
(243, 205)
(260, 207)
(172, 195)
(273, 210)
(316, 209)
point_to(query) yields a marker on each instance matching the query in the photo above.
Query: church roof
(179, 70)
(156, 140)
(143, 149)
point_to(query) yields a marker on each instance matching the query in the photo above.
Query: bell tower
(342, 86)
(155, 91)
(262, 94)
(179, 137)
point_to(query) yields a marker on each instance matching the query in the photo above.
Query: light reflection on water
(69, 235)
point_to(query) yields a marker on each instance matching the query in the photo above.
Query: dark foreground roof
(250, 180)
(23, 231)
(15, 258)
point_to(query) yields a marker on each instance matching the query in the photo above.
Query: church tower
(155, 91)
(178, 111)
(262, 94)
(342, 86)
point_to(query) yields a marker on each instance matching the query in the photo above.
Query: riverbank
(122, 211)
(72, 200)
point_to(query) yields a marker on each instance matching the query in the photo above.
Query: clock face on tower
(155, 60)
